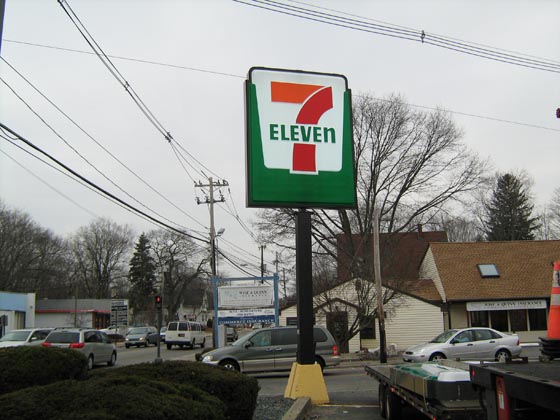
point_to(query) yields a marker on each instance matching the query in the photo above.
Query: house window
(518, 320)
(488, 270)
(537, 319)
(367, 328)
(499, 320)
(291, 320)
(479, 319)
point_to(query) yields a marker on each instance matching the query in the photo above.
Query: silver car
(476, 343)
(94, 344)
(272, 349)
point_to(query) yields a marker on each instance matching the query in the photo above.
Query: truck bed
(536, 383)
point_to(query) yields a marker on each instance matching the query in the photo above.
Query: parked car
(152, 338)
(477, 343)
(94, 344)
(272, 349)
(24, 337)
(138, 336)
(231, 334)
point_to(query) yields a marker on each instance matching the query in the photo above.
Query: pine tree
(509, 211)
(142, 278)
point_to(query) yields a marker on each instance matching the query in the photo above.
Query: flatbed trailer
(526, 390)
(439, 391)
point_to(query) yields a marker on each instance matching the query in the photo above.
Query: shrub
(112, 398)
(26, 366)
(237, 391)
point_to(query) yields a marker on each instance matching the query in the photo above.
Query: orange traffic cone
(554, 312)
(550, 346)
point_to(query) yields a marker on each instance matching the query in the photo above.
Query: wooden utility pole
(378, 287)
(211, 200)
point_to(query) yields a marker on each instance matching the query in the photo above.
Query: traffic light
(158, 302)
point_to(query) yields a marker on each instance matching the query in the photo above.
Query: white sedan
(475, 343)
(26, 337)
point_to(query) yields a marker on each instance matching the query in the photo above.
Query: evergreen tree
(142, 278)
(508, 213)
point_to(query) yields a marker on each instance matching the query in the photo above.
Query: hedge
(238, 392)
(26, 366)
(112, 398)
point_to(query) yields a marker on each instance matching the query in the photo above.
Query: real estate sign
(299, 140)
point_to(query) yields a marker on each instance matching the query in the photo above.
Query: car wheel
(382, 397)
(113, 360)
(437, 357)
(503, 355)
(90, 362)
(393, 406)
(230, 365)
(193, 343)
(320, 362)
(168, 346)
(146, 344)
(203, 343)
(127, 345)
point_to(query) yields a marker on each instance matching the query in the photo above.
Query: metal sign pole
(304, 289)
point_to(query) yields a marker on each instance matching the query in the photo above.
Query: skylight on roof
(488, 270)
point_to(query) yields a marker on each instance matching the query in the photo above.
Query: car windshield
(138, 331)
(444, 336)
(16, 336)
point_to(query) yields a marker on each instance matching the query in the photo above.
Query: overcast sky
(200, 53)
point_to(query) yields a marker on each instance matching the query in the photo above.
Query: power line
(42, 180)
(121, 79)
(105, 192)
(88, 135)
(243, 77)
(410, 35)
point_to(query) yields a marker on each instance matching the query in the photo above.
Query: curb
(298, 409)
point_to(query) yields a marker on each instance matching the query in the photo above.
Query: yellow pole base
(307, 381)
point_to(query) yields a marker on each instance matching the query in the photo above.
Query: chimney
(420, 230)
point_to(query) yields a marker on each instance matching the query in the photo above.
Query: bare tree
(101, 252)
(32, 259)
(185, 262)
(410, 163)
(550, 219)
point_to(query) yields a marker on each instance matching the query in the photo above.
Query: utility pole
(379, 289)
(262, 247)
(211, 200)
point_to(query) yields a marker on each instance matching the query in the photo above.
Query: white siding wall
(413, 322)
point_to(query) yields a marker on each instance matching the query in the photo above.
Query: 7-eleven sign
(299, 140)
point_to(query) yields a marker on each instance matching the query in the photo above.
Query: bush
(112, 398)
(237, 391)
(26, 366)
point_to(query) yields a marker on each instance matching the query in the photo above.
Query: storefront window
(499, 320)
(479, 319)
(518, 320)
(537, 319)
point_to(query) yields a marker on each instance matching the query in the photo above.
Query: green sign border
(280, 188)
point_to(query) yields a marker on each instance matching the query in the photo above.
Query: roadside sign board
(299, 140)
(119, 312)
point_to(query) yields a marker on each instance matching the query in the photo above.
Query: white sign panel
(245, 313)
(245, 297)
(505, 305)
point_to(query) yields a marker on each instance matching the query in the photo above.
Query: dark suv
(269, 349)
